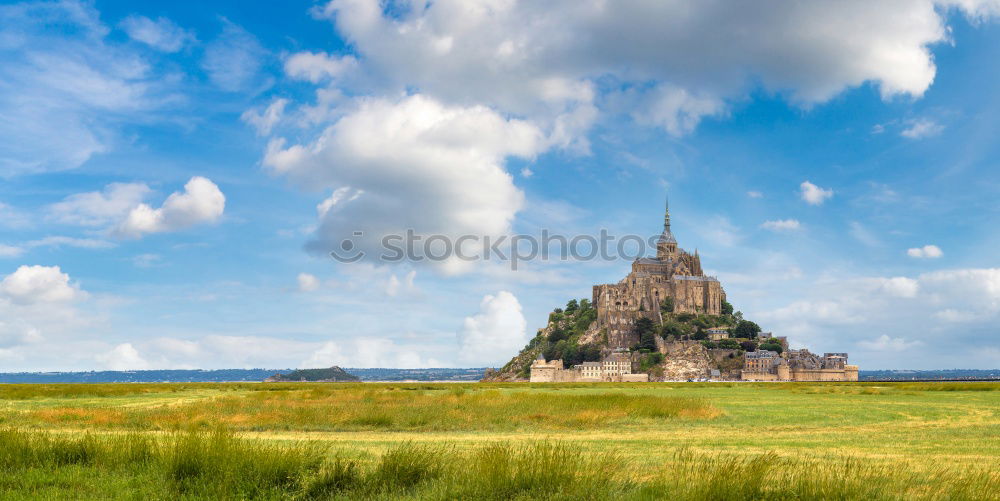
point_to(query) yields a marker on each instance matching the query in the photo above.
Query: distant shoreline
(376, 375)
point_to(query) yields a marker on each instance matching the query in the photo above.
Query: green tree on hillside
(771, 346)
(572, 306)
(646, 330)
(727, 309)
(746, 329)
(667, 305)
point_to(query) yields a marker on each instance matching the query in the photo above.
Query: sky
(174, 176)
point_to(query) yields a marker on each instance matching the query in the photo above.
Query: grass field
(501, 441)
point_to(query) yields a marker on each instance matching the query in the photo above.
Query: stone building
(673, 273)
(717, 334)
(616, 367)
(797, 365)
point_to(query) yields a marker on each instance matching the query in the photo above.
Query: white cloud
(720, 230)
(316, 67)
(395, 286)
(38, 284)
(234, 60)
(862, 234)
(99, 208)
(814, 195)
(7, 251)
(755, 194)
(66, 87)
(921, 128)
(60, 241)
(705, 52)
(368, 352)
(161, 34)
(410, 164)
(11, 217)
(264, 121)
(782, 225)
(900, 286)
(675, 109)
(146, 260)
(494, 334)
(927, 251)
(307, 282)
(200, 202)
(886, 343)
(830, 314)
(526, 172)
(122, 357)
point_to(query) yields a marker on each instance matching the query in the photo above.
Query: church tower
(666, 245)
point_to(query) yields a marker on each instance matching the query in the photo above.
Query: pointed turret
(666, 245)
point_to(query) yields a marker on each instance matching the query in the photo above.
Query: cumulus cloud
(307, 282)
(265, 120)
(161, 34)
(925, 252)
(234, 59)
(99, 208)
(494, 334)
(886, 343)
(123, 357)
(833, 313)
(782, 225)
(410, 164)
(486, 53)
(676, 110)
(316, 67)
(200, 202)
(900, 286)
(38, 284)
(814, 195)
(921, 128)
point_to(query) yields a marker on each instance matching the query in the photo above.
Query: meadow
(501, 441)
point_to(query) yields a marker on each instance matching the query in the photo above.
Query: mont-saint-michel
(338, 250)
(665, 321)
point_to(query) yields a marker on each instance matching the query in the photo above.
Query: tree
(708, 344)
(700, 334)
(729, 344)
(746, 329)
(557, 335)
(727, 309)
(771, 346)
(672, 329)
(646, 330)
(584, 304)
(590, 352)
(748, 346)
(572, 306)
(667, 305)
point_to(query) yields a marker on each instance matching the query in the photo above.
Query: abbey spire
(666, 245)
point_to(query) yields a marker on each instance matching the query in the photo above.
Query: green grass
(501, 441)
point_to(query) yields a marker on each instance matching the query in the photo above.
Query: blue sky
(172, 176)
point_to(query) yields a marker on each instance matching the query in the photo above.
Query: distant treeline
(226, 375)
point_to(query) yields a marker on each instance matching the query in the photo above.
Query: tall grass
(222, 466)
(381, 408)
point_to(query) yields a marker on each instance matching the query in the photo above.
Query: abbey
(673, 275)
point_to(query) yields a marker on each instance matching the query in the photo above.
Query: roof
(649, 260)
